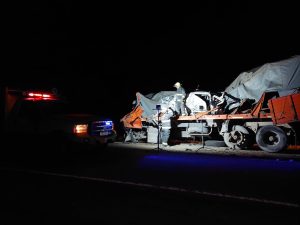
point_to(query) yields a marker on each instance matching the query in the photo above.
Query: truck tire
(239, 138)
(271, 139)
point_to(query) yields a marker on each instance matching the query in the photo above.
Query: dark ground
(126, 186)
(53, 200)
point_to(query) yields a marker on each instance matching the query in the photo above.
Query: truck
(43, 118)
(253, 110)
(272, 123)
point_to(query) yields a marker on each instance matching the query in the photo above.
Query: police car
(45, 117)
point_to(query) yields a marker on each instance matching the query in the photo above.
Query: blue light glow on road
(227, 163)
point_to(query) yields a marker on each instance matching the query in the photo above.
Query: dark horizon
(104, 54)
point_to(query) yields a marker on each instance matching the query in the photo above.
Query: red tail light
(39, 96)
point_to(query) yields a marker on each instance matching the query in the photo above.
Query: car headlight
(80, 128)
(109, 124)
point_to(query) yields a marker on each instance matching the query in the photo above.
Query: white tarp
(166, 99)
(276, 76)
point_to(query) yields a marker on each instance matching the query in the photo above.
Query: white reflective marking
(165, 188)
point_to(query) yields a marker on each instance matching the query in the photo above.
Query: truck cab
(43, 116)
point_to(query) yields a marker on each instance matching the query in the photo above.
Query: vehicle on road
(45, 117)
(260, 107)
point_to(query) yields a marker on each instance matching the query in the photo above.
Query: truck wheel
(271, 139)
(239, 138)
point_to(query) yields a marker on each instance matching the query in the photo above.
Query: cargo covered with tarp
(146, 108)
(242, 94)
(277, 76)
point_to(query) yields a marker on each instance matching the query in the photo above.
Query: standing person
(180, 95)
(166, 126)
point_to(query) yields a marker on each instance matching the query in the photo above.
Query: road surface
(135, 184)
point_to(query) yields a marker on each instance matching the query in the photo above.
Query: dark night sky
(81, 48)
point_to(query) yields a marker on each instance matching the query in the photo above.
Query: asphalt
(290, 153)
(137, 184)
(33, 199)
